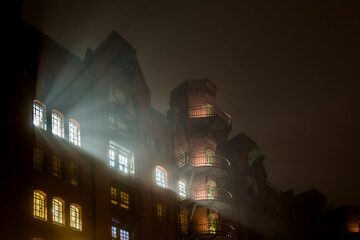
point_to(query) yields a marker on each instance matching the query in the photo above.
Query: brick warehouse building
(91, 158)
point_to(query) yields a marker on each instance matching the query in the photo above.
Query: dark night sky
(287, 72)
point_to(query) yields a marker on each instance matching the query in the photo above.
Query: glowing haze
(286, 72)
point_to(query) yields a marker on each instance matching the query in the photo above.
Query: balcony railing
(208, 228)
(203, 160)
(210, 193)
(209, 111)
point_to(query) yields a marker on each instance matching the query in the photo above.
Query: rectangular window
(124, 235)
(112, 157)
(184, 223)
(121, 159)
(124, 200)
(39, 162)
(123, 162)
(113, 232)
(56, 166)
(74, 174)
(182, 189)
(161, 212)
(113, 193)
(122, 126)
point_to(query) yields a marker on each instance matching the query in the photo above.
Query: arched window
(58, 210)
(57, 123)
(75, 216)
(39, 208)
(182, 189)
(160, 176)
(39, 114)
(74, 132)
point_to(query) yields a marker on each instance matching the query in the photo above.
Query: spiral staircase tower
(205, 202)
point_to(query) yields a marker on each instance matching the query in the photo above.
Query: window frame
(56, 166)
(40, 205)
(39, 107)
(182, 189)
(60, 211)
(75, 221)
(57, 123)
(160, 177)
(74, 132)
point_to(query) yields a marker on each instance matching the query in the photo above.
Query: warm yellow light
(353, 227)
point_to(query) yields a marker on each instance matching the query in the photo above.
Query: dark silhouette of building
(89, 158)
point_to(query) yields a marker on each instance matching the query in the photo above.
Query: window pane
(123, 159)
(74, 217)
(160, 178)
(113, 232)
(56, 166)
(39, 162)
(74, 134)
(57, 211)
(124, 235)
(182, 189)
(57, 125)
(38, 115)
(39, 205)
(74, 174)
(113, 192)
(124, 200)
(112, 157)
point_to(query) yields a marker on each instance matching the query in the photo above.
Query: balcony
(212, 196)
(208, 111)
(207, 230)
(218, 165)
(207, 121)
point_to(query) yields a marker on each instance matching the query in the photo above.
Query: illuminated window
(184, 223)
(121, 159)
(56, 166)
(39, 208)
(74, 174)
(124, 235)
(209, 157)
(182, 189)
(58, 210)
(57, 124)
(161, 212)
(211, 190)
(212, 224)
(113, 193)
(75, 216)
(39, 162)
(121, 125)
(124, 200)
(112, 157)
(160, 177)
(74, 132)
(39, 116)
(113, 232)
